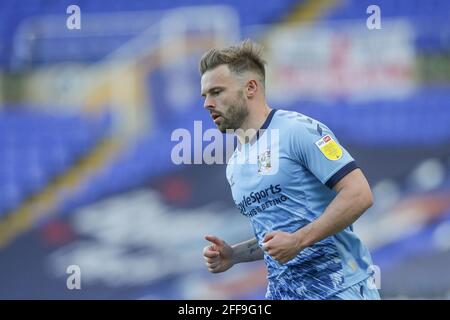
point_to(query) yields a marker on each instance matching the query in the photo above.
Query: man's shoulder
(289, 121)
(296, 122)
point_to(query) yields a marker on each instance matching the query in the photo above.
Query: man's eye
(215, 93)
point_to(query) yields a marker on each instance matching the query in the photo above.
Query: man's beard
(235, 115)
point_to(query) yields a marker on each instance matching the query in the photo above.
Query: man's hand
(281, 246)
(218, 255)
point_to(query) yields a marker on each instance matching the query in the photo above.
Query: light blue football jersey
(282, 181)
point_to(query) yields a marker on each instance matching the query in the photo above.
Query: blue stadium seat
(12, 13)
(35, 147)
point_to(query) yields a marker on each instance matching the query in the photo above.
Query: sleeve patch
(329, 148)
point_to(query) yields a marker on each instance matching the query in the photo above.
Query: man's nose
(209, 103)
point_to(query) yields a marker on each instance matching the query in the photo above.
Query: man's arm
(220, 256)
(352, 199)
(247, 251)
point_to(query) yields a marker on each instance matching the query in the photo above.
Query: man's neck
(252, 124)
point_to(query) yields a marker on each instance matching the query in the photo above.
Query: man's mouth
(216, 117)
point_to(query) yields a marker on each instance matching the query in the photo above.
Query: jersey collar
(264, 126)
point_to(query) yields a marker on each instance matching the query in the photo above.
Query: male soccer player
(302, 193)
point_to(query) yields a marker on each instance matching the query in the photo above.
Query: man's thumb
(268, 236)
(214, 240)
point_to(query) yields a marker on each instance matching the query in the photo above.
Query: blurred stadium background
(86, 118)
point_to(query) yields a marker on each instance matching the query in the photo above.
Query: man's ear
(252, 88)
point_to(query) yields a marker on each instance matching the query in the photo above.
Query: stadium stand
(36, 147)
(39, 147)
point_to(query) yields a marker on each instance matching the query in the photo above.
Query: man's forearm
(345, 209)
(247, 251)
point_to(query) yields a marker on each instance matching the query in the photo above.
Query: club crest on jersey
(264, 164)
(330, 148)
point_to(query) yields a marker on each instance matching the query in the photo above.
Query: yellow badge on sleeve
(330, 148)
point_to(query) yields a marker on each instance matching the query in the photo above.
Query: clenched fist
(218, 255)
